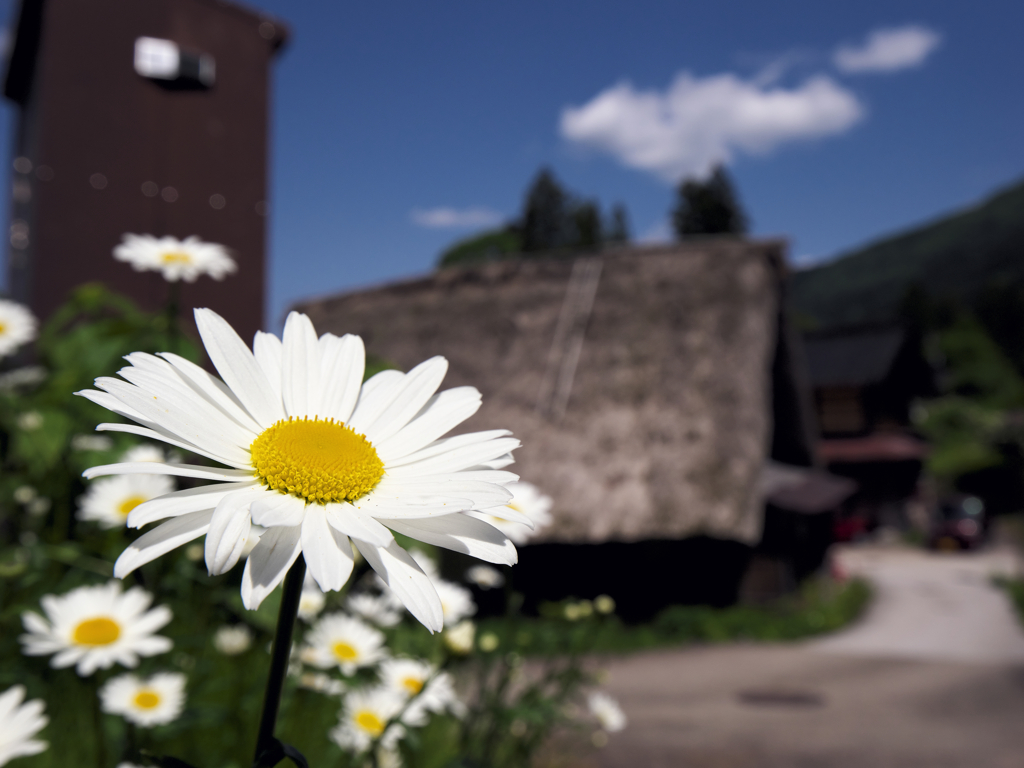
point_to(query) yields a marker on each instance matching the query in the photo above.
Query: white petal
(162, 540)
(266, 348)
(182, 503)
(179, 470)
(409, 490)
(229, 529)
(213, 388)
(111, 403)
(268, 564)
(446, 444)
(442, 413)
(159, 433)
(274, 509)
(460, 533)
(300, 383)
(458, 459)
(377, 392)
(418, 386)
(179, 419)
(327, 552)
(238, 368)
(343, 364)
(348, 520)
(405, 578)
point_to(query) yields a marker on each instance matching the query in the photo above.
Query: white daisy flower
(461, 637)
(312, 599)
(340, 640)
(528, 501)
(365, 717)
(175, 259)
(321, 683)
(376, 609)
(108, 501)
(232, 639)
(156, 700)
(607, 711)
(456, 602)
(315, 457)
(430, 690)
(96, 627)
(19, 723)
(17, 326)
(485, 577)
(150, 452)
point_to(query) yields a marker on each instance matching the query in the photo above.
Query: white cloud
(698, 122)
(455, 218)
(888, 50)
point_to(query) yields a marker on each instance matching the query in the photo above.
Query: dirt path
(933, 677)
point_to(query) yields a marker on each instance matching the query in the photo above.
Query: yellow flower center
(3, 328)
(147, 699)
(370, 723)
(320, 461)
(130, 503)
(98, 631)
(345, 652)
(176, 257)
(413, 684)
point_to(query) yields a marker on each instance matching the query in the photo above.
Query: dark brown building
(113, 136)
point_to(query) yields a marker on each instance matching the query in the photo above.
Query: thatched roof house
(643, 383)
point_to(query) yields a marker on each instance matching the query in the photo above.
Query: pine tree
(708, 207)
(544, 215)
(618, 227)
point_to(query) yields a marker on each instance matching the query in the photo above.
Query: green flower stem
(279, 659)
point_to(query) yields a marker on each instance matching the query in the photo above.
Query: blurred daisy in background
(365, 718)
(17, 326)
(321, 683)
(342, 641)
(232, 639)
(376, 609)
(528, 501)
(150, 452)
(96, 627)
(315, 456)
(311, 601)
(456, 602)
(607, 711)
(19, 722)
(109, 500)
(175, 259)
(485, 577)
(146, 702)
(419, 680)
(461, 638)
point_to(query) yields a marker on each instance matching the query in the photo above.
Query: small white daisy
(528, 501)
(461, 638)
(232, 639)
(311, 601)
(431, 691)
(96, 627)
(607, 711)
(365, 717)
(485, 577)
(149, 452)
(345, 642)
(155, 700)
(376, 609)
(19, 723)
(17, 326)
(175, 259)
(456, 602)
(321, 683)
(316, 457)
(109, 500)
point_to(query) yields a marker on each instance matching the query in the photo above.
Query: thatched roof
(639, 381)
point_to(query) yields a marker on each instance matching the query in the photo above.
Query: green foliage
(1015, 589)
(708, 207)
(820, 606)
(488, 246)
(962, 255)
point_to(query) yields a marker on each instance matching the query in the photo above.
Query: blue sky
(839, 122)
